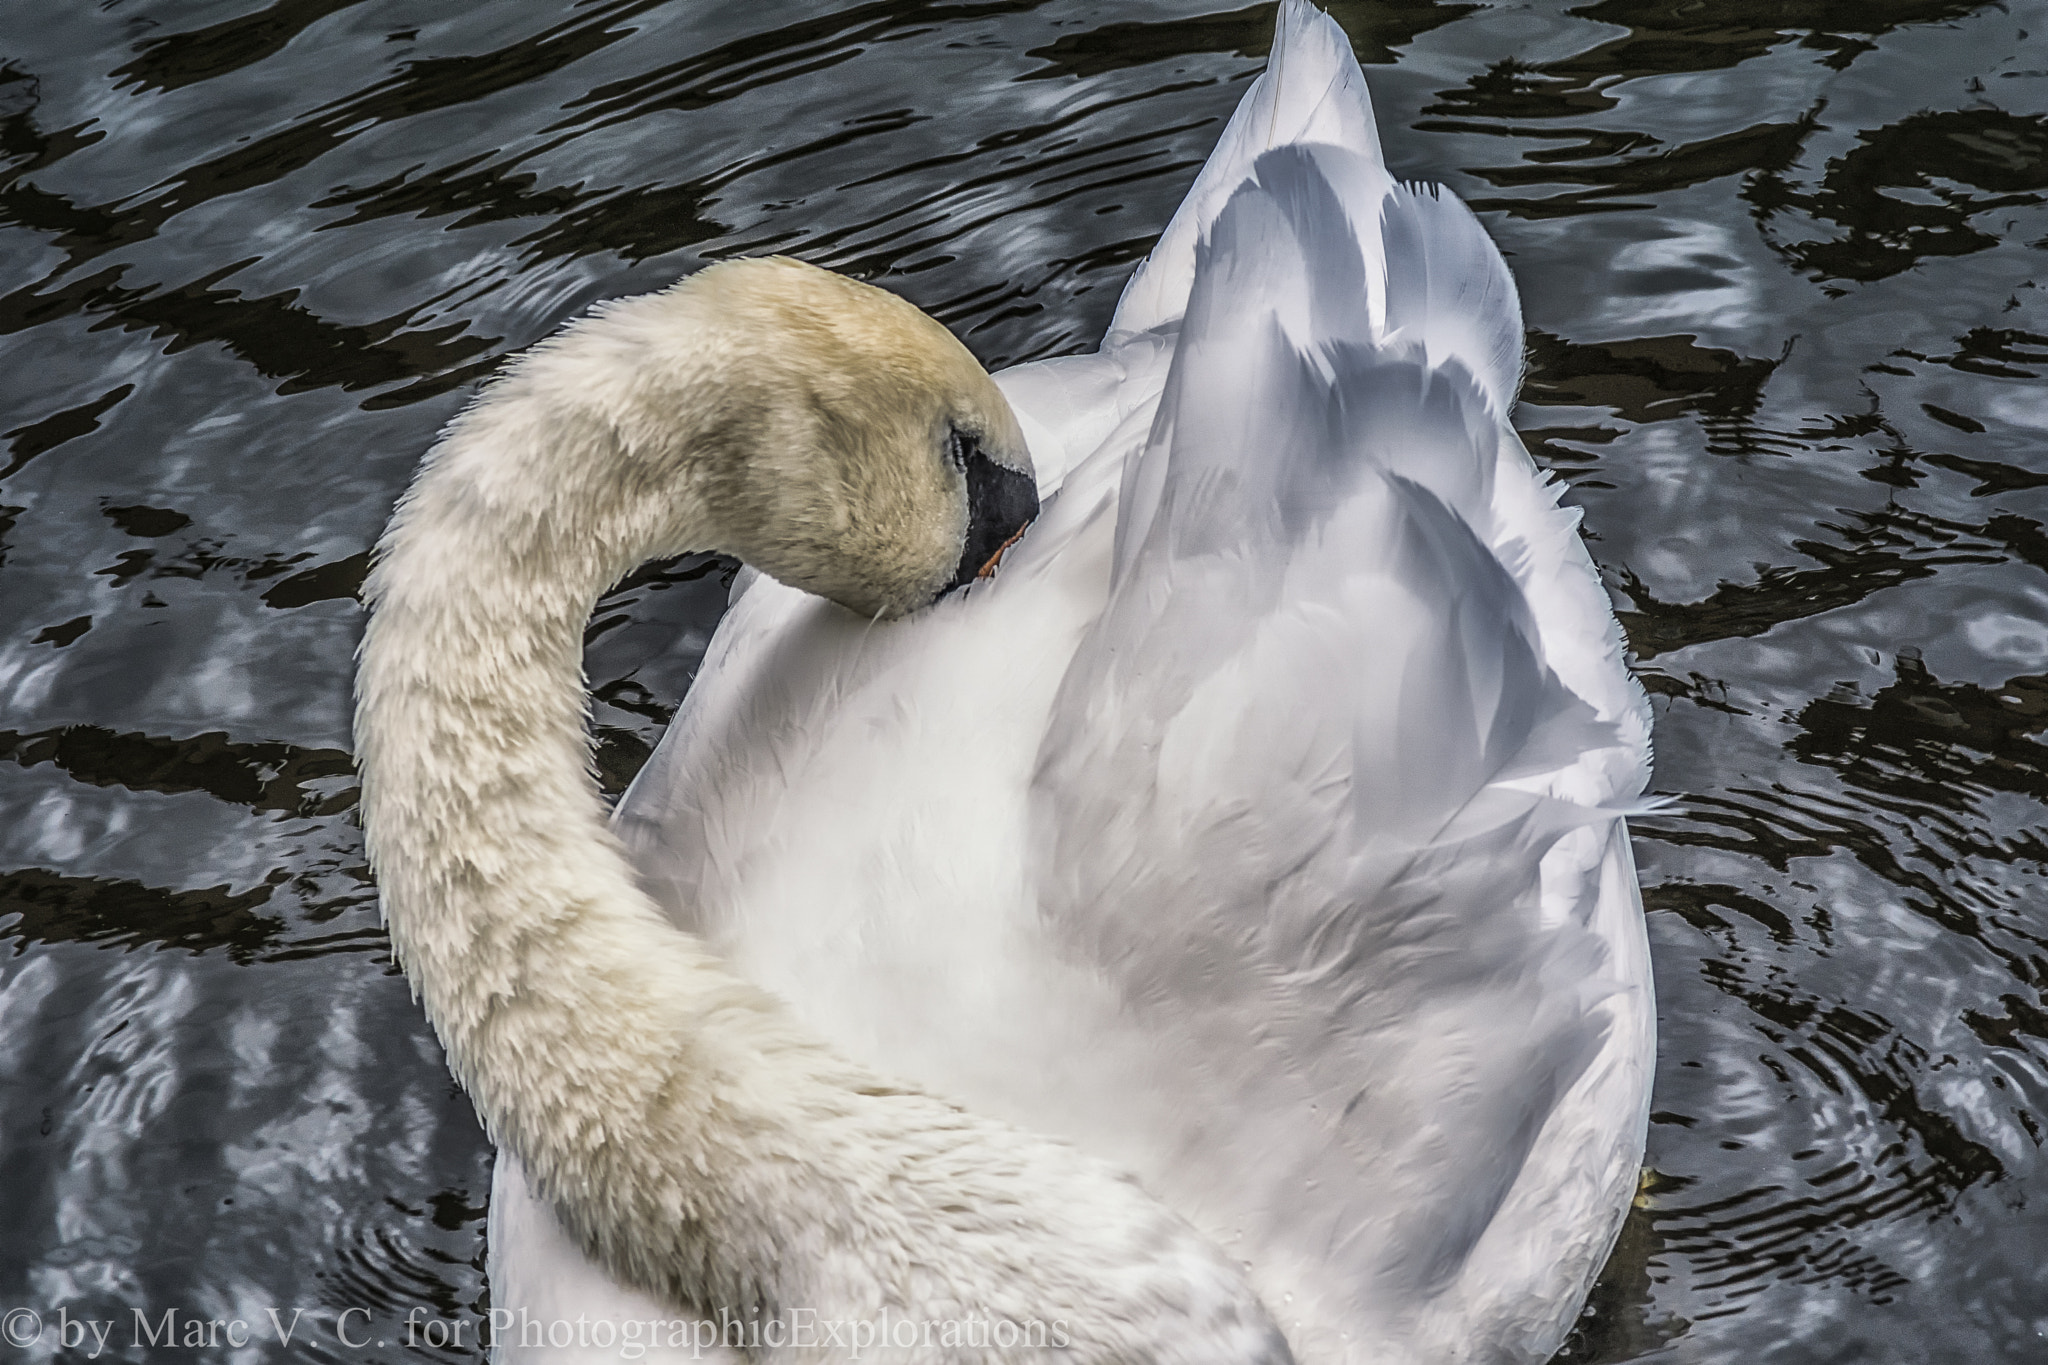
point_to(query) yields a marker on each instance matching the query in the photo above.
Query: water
(1783, 271)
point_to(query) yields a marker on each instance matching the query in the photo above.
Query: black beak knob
(1000, 503)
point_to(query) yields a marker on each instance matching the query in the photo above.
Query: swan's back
(1257, 826)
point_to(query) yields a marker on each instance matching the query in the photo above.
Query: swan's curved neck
(692, 1137)
(484, 823)
(597, 1040)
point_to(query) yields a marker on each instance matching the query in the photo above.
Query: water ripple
(1787, 330)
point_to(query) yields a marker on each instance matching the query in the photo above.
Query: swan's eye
(958, 448)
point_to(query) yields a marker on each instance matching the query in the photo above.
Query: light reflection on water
(1782, 265)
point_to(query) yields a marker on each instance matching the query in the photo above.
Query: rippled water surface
(1784, 273)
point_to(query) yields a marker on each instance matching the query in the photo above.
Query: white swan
(1255, 829)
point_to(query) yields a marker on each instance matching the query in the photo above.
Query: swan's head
(852, 446)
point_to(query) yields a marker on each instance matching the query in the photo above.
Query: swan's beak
(1001, 502)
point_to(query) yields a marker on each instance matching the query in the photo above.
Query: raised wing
(1331, 788)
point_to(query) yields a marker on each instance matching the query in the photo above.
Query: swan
(1202, 929)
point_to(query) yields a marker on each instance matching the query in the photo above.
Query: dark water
(1785, 276)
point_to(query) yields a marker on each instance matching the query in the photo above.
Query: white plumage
(1257, 827)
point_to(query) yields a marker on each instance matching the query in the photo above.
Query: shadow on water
(46, 907)
(263, 777)
(1903, 193)
(1786, 336)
